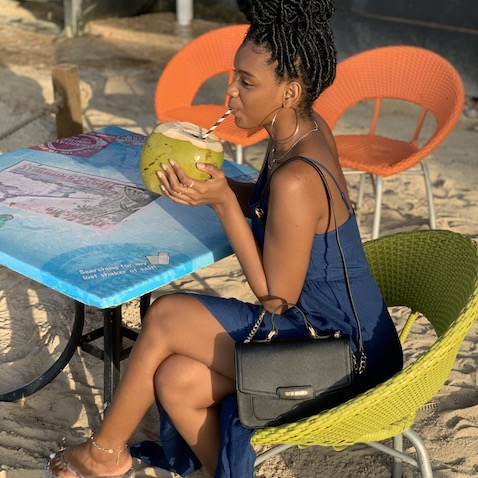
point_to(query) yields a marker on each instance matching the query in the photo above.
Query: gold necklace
(273, 150)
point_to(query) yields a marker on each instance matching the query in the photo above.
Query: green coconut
(182, 142)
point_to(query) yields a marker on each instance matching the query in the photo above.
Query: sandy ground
(119, 64)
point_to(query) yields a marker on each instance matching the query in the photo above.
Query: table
(84, 226)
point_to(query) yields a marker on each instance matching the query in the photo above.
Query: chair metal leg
(422, 462)
(397, 468)
(270, 453)
(361, 188)
(227, 146)
(395, 453)
(377, 182)
(378, 207)
(235, 150)
(422, 454)
(428, 187)
(363, 177)
(239, 154)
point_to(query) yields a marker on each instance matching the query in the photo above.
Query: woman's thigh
(184, 326)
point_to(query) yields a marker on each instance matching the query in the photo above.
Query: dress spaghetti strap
(344, 197)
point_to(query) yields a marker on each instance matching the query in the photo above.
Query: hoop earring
(296, 129)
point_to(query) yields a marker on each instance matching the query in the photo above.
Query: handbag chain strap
(275, 331)
(358, 364)
(256, 326)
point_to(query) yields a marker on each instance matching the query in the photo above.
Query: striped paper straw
(218, 122)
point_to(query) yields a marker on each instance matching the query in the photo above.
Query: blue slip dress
(325, 301)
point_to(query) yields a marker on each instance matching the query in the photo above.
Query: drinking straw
(216, 124)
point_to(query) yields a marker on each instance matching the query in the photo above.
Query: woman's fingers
(210, 169)
(183, 178)
(174, 182)
(170, 182)
(180, 187)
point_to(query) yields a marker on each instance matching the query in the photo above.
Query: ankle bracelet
(108, 450)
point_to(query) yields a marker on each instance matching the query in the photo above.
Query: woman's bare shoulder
(296, 180)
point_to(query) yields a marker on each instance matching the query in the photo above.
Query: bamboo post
(66, 85)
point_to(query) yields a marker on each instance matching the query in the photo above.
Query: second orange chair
(411, 74)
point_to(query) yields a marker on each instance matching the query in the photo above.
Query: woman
(184, 355)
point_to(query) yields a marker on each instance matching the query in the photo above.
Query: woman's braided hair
(299, 39)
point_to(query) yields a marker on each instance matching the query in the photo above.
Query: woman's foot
(90, 460)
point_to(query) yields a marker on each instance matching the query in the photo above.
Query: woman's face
(255, 95)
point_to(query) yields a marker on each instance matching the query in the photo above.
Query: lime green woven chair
(435, 274)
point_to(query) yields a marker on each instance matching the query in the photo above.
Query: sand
(119, 69)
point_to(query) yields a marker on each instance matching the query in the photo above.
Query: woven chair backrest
(432, 272)
(407, 73)
(205, 57)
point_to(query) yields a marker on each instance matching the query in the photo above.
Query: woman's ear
(292, 94)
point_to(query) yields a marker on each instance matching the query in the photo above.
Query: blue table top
(75, 217)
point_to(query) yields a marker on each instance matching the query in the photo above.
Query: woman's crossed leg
(177, 331)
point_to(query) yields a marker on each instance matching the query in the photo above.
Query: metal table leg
(144, 304)
(58, 366)
(113, 352)
(112, 349)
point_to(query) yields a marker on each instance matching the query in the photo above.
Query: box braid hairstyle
(298, 36)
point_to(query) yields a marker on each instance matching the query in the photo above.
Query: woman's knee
(161, 311)
(177, 379)
(185, 382)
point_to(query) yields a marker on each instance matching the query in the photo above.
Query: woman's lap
(381, 341)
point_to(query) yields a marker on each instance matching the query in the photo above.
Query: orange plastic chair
(204, 58)
(406, 73)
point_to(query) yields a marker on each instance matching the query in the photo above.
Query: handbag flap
(293, 369)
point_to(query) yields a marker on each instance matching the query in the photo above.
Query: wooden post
(66, 85)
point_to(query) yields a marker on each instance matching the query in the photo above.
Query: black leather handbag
(280, 381)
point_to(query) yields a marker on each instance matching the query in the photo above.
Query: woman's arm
(277, 274)
(297, 201)
(242, 190)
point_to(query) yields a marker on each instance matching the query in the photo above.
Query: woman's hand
(181, 188)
